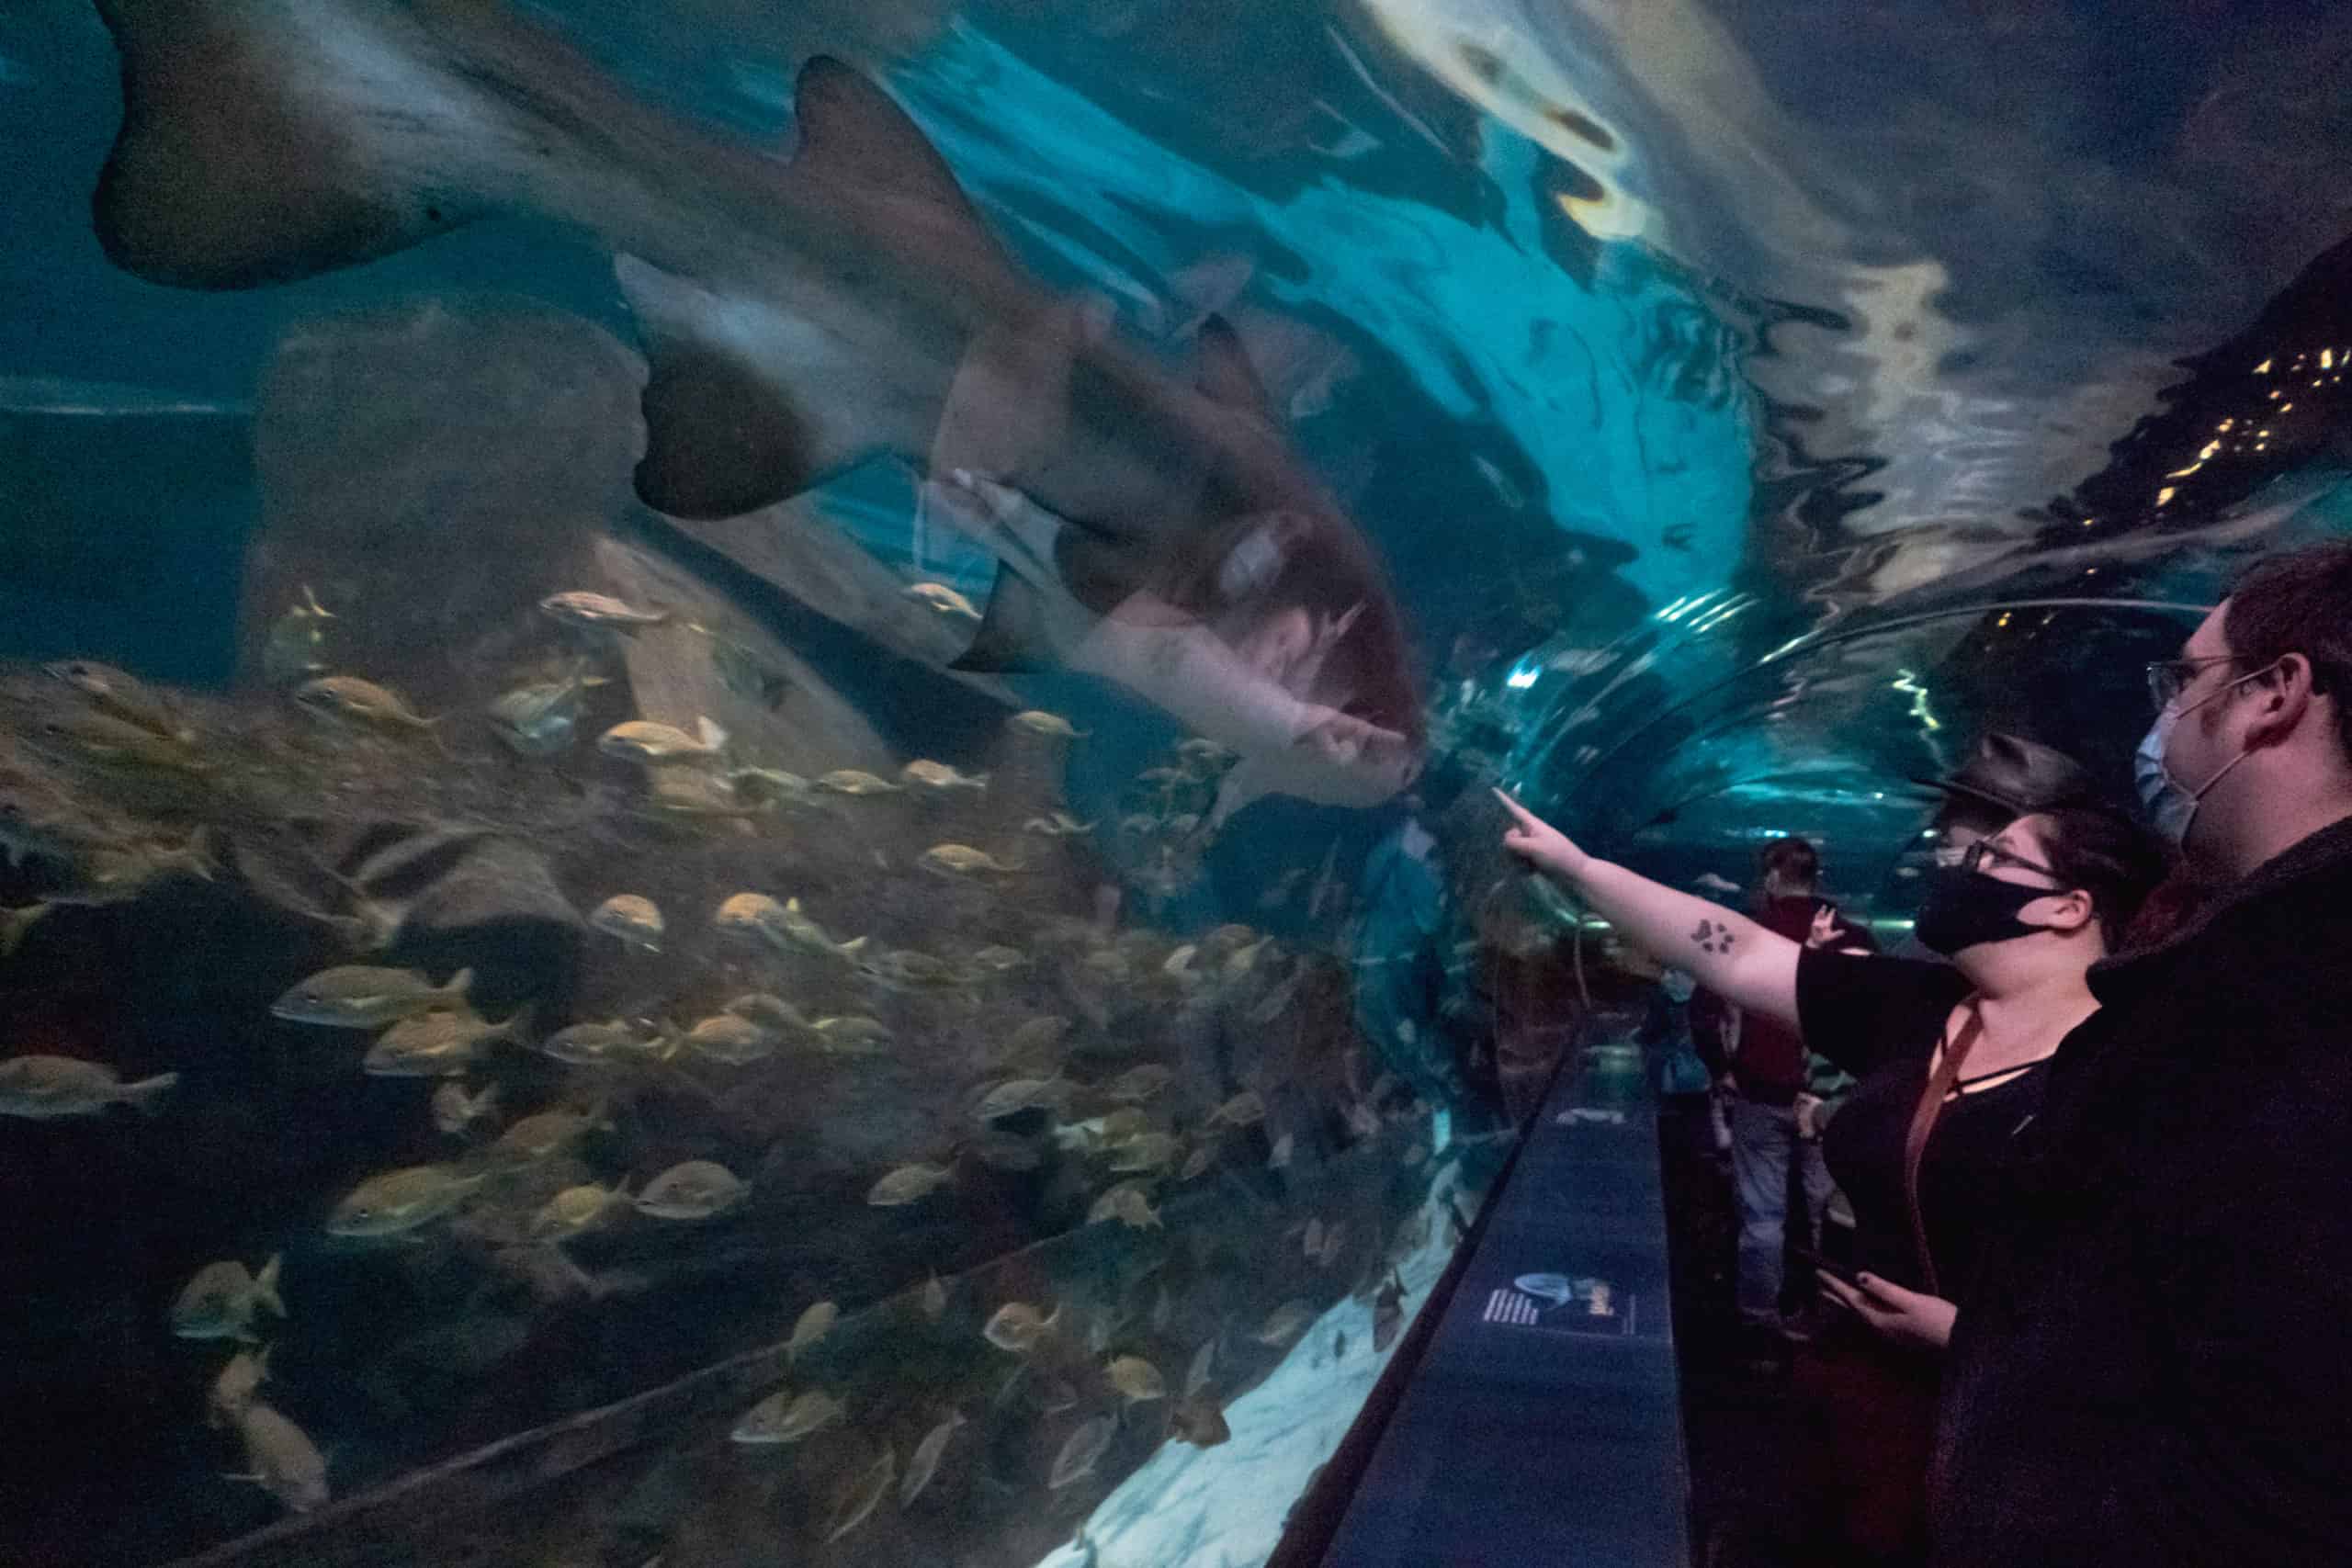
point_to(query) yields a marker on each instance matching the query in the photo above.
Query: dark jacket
(2155, 1367)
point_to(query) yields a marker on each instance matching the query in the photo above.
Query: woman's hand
(1904, 1318)
(1824, 926)
(1537, 841)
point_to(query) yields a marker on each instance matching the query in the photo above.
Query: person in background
(1826, 1085)
(1952, 1060)
(2155, 1366)
(1766, 1074)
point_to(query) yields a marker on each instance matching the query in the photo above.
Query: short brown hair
(2299, 603)
(2107, 855)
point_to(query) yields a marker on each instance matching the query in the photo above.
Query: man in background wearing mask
(2156, 1365)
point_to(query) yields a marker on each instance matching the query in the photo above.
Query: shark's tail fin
(258, 140)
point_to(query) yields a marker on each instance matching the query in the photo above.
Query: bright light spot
(1905, 681)
(1520, 680)
(2262, 368)
(2163, 495)
(2327, 359)
(2286, 408)
(2211, 447)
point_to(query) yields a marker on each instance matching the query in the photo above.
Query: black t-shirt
(1879, 1019)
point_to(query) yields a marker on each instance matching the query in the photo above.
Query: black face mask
(1965, 908)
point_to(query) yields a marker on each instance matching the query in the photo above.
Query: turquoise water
(1088, 493)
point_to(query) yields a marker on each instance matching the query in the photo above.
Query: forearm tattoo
(1712, 938)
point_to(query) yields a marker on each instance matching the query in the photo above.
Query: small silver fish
(608, 1045)
(582, 608)
(1081, 1453)
(745, 671)
(1060, 825)
(548, 1132)
(1139, 1083)
(854, 782)
(539, 720)
(41, 1088)
(731, 1040)
(1011, 1098)
(786, 1417)
(1285, 1324)
(454, 1110)
(812, 1324)
(925, 1462)
(221, 1300)
(770, 1012)
(280, 1457)
(1196, 1375)
(869, 1489)
(694, 1189)
(1127, 1203)
(296, 641)
(440, 1044)
(851, 1035)
(945, 600)
(635, 920)
(909, 1184)
(233, 1391)
(938, 778)
(1053, 726)
(1019, 1327)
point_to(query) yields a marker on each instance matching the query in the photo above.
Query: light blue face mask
(1679, 985)
(2171, 804)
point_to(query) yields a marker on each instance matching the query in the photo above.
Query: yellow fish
(909, 1184)
(855, 782)
(1060, 825)
(279, 1456)
(635, 920)
(945, 600)
(1019, 1327)
(784, 1418)
(962, 860)
(851, 1035)
(120, 694)
(576, 1210)
(939, 778)
(362, 701)
(1136, 1379)
(644, 741)
(731, 1040)
(1037, 722)
(440, 1044)
(400, 1200)
(580, 608)
(1127, 1203)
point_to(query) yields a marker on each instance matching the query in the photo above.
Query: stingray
(801, 311)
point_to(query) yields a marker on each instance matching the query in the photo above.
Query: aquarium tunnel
(748, 751)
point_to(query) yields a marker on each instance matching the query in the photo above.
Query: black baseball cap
(2011, 774)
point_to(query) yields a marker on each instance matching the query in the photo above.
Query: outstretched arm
(1752, 968)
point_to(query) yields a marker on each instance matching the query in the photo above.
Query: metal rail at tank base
(1529, 1417)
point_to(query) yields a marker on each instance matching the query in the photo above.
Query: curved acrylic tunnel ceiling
(1668, 347)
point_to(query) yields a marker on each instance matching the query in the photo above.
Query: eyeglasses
(2168, 678)
(1973, 858)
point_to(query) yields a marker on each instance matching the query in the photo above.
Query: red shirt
(1769, 1064)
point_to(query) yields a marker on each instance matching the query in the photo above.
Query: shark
(802, 309)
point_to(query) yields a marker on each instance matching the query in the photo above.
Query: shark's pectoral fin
(721, 437)
(252, 152)
(1013, 638)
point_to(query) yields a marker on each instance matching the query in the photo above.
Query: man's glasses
(1976, 855)
(2168, 678)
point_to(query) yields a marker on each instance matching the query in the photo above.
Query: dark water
(1702, 417)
